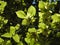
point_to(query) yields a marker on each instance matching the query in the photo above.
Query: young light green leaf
(27, 40)
(28, 35)
(20, 43)
(31, 11)
(17, 26)
(7, 35)
(2, 6)
(41, 5)
(31, 30)
(8, 42)
(12, 30)
(33, 19)
(20, 14)
(32, 41)
(16, 38)
(42, 25)
(41, 17)
(39, 31)
(55, 18)
(24, 22)
(1, 40)
(5, 21)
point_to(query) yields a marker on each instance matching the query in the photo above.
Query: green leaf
(7, 35)
(41, 5)
(37, 43)
(31, 11)
(53, 25)
(27, 40)
(12, 30)
(39, 31)
(1, 40)
(25, 22)
(16, 38)
(5, 21)
(49, 31)
(17, 26)
(58, 34)
(41, 19)
(42, 26)
(33, 19)
(20, 43)
(28, 35)
(20, 14)
(8, 42)
(2, 6)
(55, 18)
(32, 41)
(31, 30)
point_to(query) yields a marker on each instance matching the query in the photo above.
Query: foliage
(20, 25)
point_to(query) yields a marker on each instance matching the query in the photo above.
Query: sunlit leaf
(32, 11)
(20, 43)
(41, 17)
(1, 40)
(56, 18)
(2, 6)
(42, 25)
(24, 22)
(33, 19)
(41, 5)
(8, 42)
(39, 31)
(7, 35)
(17, 26)
(32, 41)
(27, 40)
(16, 38)
(20, 14)
(5, 21)
(12, 30)
(31, 30)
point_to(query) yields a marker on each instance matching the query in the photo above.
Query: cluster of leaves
(25, 32)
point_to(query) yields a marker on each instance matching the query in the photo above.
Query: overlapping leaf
(16, 38)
